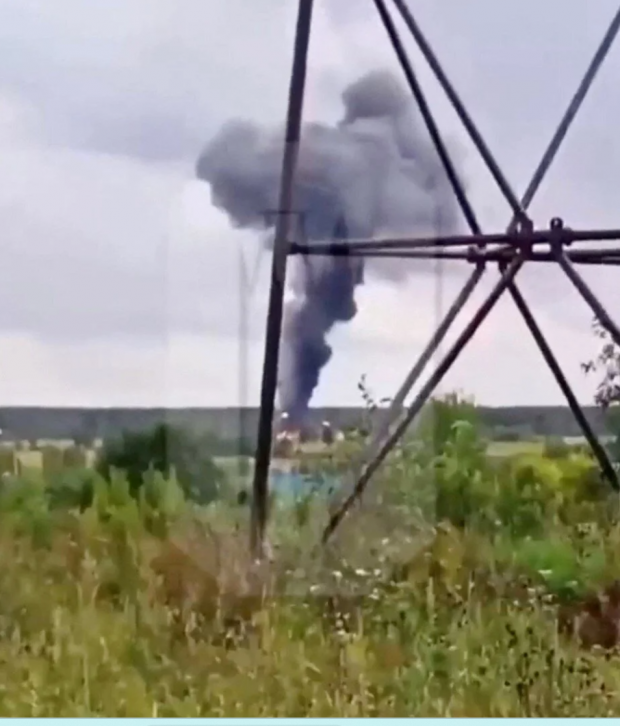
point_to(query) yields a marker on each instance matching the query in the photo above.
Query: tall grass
(438, 597)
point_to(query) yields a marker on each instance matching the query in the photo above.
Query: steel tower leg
(278, 278)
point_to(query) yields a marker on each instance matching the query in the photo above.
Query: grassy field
(472, 582)
(442, 596)
(514, 448)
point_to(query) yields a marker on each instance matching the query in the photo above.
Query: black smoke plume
(376, 172)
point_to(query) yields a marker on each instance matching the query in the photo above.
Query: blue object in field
(293, 485)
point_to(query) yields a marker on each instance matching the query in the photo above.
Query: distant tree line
(222, 425)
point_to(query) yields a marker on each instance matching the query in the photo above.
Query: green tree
(607, 367)
(162, 449)
(440, 421)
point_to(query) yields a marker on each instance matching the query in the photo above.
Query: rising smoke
(374, 173)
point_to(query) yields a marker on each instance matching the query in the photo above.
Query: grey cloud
(96, 247)
(154, 78)
(144, 78)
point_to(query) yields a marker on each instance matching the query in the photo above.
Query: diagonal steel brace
(426, 392)
(597, 448)
(386, 420)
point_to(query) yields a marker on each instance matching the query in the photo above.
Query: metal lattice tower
(520, 244)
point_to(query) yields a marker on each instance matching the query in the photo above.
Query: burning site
(375, 172)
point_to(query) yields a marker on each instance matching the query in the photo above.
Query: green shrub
(438, 427)
(556, 448)
(52, 461)
(528, 489)
(74, 457)
(71, 488)
(464, 496)
(163, 449)
(451, 457)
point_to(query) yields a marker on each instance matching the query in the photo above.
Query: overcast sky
(120, 280)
